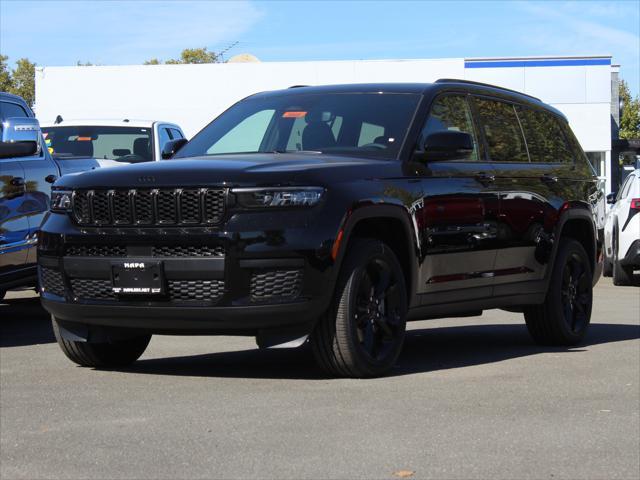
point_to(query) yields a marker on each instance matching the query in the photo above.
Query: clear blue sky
(124, 32)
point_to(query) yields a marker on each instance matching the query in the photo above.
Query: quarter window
(545, 137)
(502, 131)
(450, 112)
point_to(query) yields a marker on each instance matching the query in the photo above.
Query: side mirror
(448, 145)
(611, 198)
(20, 137)
(172, 146)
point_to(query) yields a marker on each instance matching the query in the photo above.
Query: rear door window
(502, 132)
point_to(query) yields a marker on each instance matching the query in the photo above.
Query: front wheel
(564, 317)
(362, 334)
(109, 354)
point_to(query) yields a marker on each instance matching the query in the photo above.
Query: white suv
(622, 233)
(110, 142)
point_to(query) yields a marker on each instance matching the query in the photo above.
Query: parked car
(331, 215)
(26, 174)
(110, 142)
(622, 232)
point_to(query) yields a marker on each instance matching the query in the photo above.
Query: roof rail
(471, 82)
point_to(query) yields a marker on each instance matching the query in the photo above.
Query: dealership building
(584, 88)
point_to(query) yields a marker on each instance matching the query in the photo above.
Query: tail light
(635, 204)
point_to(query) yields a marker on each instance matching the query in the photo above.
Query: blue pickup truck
(26, 172)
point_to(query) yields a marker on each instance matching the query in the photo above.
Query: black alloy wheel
(377, 316)
(576, 293)
(363, 332)
(565, 315)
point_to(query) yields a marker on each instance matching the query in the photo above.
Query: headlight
(279, 197)
(61, 201)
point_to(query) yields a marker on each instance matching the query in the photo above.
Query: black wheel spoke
(383, 282)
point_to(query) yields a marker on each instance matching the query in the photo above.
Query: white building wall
(192, 95)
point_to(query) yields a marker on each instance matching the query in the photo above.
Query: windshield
(364, 124)
(122, 144)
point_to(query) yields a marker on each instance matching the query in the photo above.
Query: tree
(5, 75)
(630, 116)
(24, 81)
(189, 55)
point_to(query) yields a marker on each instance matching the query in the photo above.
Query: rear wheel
(621, 275)
(363, 333)
(118, 353)
(564, 317)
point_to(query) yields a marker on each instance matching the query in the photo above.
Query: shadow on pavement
(24, 322)
(425, 350)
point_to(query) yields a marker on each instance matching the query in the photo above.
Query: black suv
(331, 215)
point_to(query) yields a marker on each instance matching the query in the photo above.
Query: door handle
(17, 182)
(549, 178)
(485, 178)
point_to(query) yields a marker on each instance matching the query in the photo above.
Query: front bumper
(235, 282)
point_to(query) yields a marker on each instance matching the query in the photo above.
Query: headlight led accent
(279, 197)
(61, 201)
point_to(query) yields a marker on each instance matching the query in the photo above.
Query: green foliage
(24, 80)
(630, 115)
(189, 55)
(5, 74)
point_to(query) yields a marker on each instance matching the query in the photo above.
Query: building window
(597, 160)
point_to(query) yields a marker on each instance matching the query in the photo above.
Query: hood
(238, 170)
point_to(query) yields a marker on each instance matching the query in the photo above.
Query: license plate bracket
(137, 278)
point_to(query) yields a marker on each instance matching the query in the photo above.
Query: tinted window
(332, 123)
(545, 137)
(175, 134)
(163, 136)
(450, 112)
(627, 186)
(502, 131)
(8, 110)
(113, 143)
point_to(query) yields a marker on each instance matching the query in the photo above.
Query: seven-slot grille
(149, 207)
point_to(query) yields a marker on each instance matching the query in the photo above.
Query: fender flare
(380, 211)
(574, 211)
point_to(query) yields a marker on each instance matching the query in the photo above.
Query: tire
(607, 268)
(119, 353)
(564, 317)
(621, 275)
(363, 331)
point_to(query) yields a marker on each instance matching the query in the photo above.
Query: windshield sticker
(293, 114)
(83, 139)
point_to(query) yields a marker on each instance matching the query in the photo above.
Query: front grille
(91, 289)
(96, 251)
(51, 281)
(196, 290)
(187, 251)
(276, 285)
(164, 206)
(178, 290)
(160, 251)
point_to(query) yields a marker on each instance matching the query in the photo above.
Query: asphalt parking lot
(469, 398)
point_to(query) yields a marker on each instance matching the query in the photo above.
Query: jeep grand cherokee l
(331, 215)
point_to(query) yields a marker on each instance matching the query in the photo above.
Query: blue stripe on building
(566, 62)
